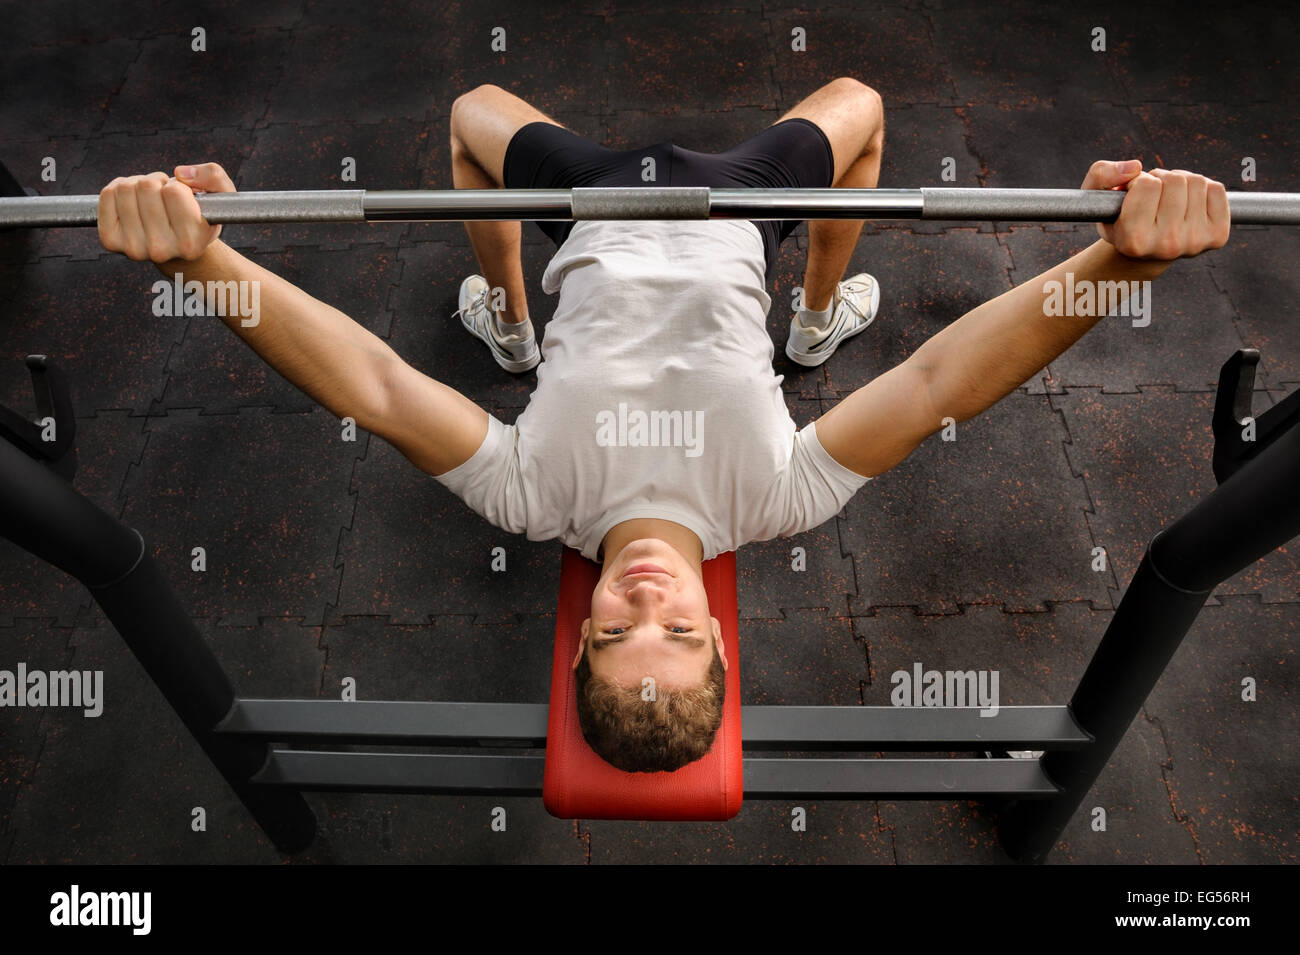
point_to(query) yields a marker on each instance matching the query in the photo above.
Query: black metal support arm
(1255, 510)
(43, 514)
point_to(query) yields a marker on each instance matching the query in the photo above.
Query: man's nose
(645, 591)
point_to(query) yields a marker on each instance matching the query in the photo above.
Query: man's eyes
(615, 631)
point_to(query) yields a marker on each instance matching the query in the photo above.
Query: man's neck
(675, 535)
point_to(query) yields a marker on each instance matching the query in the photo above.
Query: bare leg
(483, 121)
(850, 114)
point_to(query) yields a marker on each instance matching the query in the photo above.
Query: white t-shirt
(655, 397)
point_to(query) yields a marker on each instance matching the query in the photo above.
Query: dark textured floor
(330, 560)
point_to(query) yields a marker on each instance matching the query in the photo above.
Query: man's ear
(717, 641)
(582, 642)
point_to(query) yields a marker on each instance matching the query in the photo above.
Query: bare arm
(318, 348)
(993, 349)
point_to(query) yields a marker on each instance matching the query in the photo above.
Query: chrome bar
(691, 202)
(816, 204)
(464, 205)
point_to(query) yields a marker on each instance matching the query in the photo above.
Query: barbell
(652, 202)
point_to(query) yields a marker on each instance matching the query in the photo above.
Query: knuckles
(189, 247)
(160, 250)
(1128, 245)
(1173, 190)
(135, 199)
(1170, 246)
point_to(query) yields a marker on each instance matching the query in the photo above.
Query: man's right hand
(155, 218)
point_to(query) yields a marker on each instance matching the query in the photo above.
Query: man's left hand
(1167, 214)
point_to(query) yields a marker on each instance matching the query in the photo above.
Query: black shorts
(793, 154)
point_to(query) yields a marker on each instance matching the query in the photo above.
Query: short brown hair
(650, 736)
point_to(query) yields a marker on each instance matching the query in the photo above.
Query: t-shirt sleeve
(490, 481)
(813, 488)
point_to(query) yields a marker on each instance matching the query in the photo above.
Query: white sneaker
(853, 308)
(515, 353)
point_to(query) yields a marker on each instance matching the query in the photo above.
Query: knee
(466, 102)
(482, 91)
(859, 92)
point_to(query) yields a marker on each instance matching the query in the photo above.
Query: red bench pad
(579, 784)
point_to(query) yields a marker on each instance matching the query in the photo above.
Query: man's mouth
(645, 569)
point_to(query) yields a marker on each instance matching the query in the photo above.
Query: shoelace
(852, 302)
(479, 300)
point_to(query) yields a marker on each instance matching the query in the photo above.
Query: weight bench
(1254, 510)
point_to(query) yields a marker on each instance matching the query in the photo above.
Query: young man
(658, 436)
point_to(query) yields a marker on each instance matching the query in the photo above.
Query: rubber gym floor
(329, 560)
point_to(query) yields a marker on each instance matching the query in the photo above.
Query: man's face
(650, 618)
